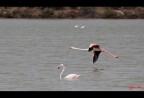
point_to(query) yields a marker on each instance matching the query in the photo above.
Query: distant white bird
(76, 26)
(82, 27)
(68, 77)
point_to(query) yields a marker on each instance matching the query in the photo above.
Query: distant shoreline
(72, 12)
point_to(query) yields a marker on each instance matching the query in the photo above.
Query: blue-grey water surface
(31, 50)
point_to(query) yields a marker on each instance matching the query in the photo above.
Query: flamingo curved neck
(62, 72)
(79, 48)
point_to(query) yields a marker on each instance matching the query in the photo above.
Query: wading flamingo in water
(68, 77)
(96, 51)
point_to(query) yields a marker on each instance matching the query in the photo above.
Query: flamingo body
(96, 51)
(71, 77)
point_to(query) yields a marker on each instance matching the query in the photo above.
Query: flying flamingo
(68, 77)
(96, 51)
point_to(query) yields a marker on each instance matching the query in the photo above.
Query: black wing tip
(96, 56)
(94, 59)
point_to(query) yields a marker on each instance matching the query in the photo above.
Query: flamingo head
(90, 49)
(61, 65)
(93, 45)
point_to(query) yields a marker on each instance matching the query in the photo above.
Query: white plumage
(68, 77)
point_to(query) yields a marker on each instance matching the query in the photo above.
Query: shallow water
(31, 50)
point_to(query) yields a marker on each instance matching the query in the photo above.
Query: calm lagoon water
(31, 50)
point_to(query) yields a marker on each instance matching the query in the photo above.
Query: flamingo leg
(103, 50)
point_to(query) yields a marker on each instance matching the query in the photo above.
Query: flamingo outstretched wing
(96, 55)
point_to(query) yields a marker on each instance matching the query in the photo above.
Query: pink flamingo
(96, 50)
(68, 77)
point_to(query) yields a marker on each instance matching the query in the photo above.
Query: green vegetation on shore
(73, 12)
